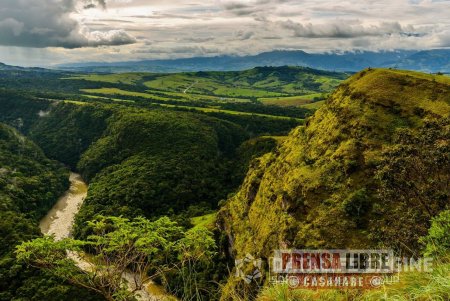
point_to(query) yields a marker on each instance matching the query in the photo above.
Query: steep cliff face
(368, 169)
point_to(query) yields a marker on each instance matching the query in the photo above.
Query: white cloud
(111, 38)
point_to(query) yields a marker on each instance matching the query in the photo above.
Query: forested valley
(188, 172)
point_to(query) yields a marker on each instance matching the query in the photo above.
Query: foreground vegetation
(413, 285)
(119, 246)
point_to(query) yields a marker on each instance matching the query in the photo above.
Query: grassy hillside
(410, 285)
(183, 155)
(369, 169)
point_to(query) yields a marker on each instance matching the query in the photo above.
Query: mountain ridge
(436, 60)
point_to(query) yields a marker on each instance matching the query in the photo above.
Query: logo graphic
(376, 281)
(293, 282)
(344, 268)
(243, 264)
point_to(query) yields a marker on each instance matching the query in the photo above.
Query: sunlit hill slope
(369, 169)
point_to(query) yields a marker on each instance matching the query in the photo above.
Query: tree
(195, 250)
(123, 251)
(414, 183)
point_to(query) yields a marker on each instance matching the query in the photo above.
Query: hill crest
(339, 181)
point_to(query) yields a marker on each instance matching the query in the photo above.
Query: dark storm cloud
(48, 23)
(102, 3)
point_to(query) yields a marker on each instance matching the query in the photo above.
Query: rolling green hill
(369, 169)
(257, 101)
(254, 83)
(267, 85)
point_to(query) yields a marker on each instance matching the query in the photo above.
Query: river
(59, 222)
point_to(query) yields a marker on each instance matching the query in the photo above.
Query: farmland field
(270, 92)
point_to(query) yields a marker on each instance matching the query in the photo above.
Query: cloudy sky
(45, 32)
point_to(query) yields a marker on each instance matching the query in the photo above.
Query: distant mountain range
(426, 60)
(4, 67)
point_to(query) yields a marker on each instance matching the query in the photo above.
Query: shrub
(437, 242)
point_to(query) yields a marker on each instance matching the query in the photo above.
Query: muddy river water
(59, 220)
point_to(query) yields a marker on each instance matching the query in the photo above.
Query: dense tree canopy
(124, 252)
